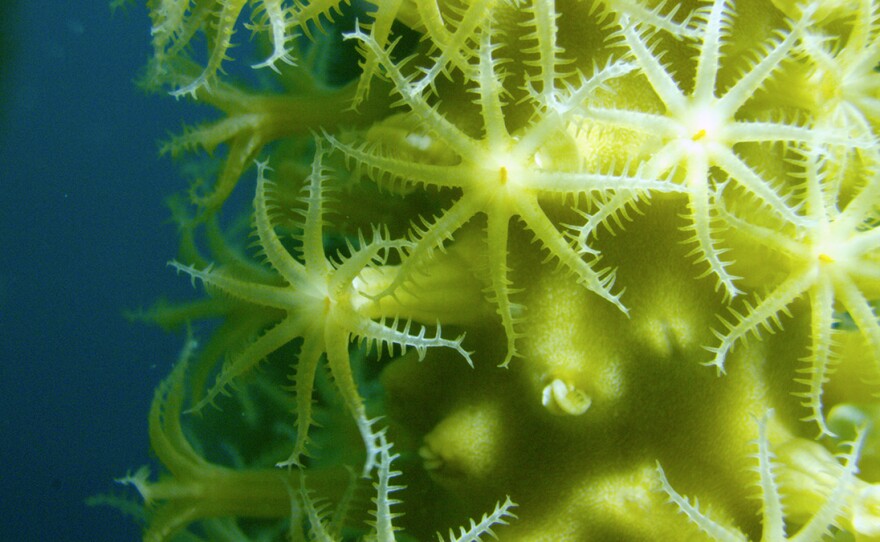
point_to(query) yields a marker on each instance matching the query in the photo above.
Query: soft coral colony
(614, 261)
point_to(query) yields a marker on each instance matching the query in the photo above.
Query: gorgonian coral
(593, 203)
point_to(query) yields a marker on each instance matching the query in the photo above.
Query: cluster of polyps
(599, 131)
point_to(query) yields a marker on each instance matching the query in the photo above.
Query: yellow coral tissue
(526, 270)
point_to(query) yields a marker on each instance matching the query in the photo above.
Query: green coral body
(596, 258)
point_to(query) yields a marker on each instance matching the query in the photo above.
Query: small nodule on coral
(564, 399)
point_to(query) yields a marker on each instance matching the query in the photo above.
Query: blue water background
(83, 236)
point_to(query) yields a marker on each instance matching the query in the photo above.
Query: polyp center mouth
(704, 125)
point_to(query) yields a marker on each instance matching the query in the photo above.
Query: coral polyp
(548, 264)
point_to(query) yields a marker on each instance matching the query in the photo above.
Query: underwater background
(84, 237)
